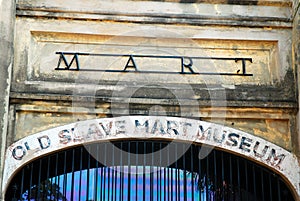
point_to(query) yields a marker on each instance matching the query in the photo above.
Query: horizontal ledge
(200, 20)
(241, 2)
(21, 97)
(159, 12)
(205, 112)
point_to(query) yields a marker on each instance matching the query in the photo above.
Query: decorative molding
(272, 14)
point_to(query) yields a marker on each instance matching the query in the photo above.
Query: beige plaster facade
(36, 97)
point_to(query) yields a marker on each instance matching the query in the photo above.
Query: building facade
(149, 100)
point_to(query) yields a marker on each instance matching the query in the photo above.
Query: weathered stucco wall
(7, 19)
(276, 126)
(261, 32)
(264, 104)
(296, 65)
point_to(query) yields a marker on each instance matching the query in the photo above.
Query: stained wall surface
(229, 62)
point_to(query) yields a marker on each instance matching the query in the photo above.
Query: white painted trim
(171, 128)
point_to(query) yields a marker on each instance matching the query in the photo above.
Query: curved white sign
(170, 128)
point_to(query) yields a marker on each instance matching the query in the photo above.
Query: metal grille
(136, 174)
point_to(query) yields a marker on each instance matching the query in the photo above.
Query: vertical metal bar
(30, 182)
(88, 172)
(169, 178)
(95, 172)
(207, 179)
(121, 174)
(159, 183)
(72, 179)
(108, 169)
(270, 186)
(169, 186)
(230, 175)
(144, 172)
(39, 179)
(80, 174)
(136, 169)
(151, 172)
(246, 178)
(160, 168)
(168, 197)
(114, 175)
(22, 184)
(262, 184)
(101, 182)
(192, 170)
(56, 175)
(254, 180)
(184, 174)
(117, 172)
(223, 176)
(111, 176)
(104, 172)
(172, 183)
(177, 175)
(199, 174)
(239, 178)
(129, 169)
(47, 175)
(104, 182)
(164, 181)
(157, 174)
(278, 189)
(51, 181)
(65, 175)
(215, 170)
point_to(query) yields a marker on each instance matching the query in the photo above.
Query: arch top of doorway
(152, 127)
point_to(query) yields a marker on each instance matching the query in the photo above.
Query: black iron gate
(128, 171)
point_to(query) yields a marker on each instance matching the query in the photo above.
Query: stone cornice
(271, 15)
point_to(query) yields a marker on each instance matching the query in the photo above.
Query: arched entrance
(135, 174)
